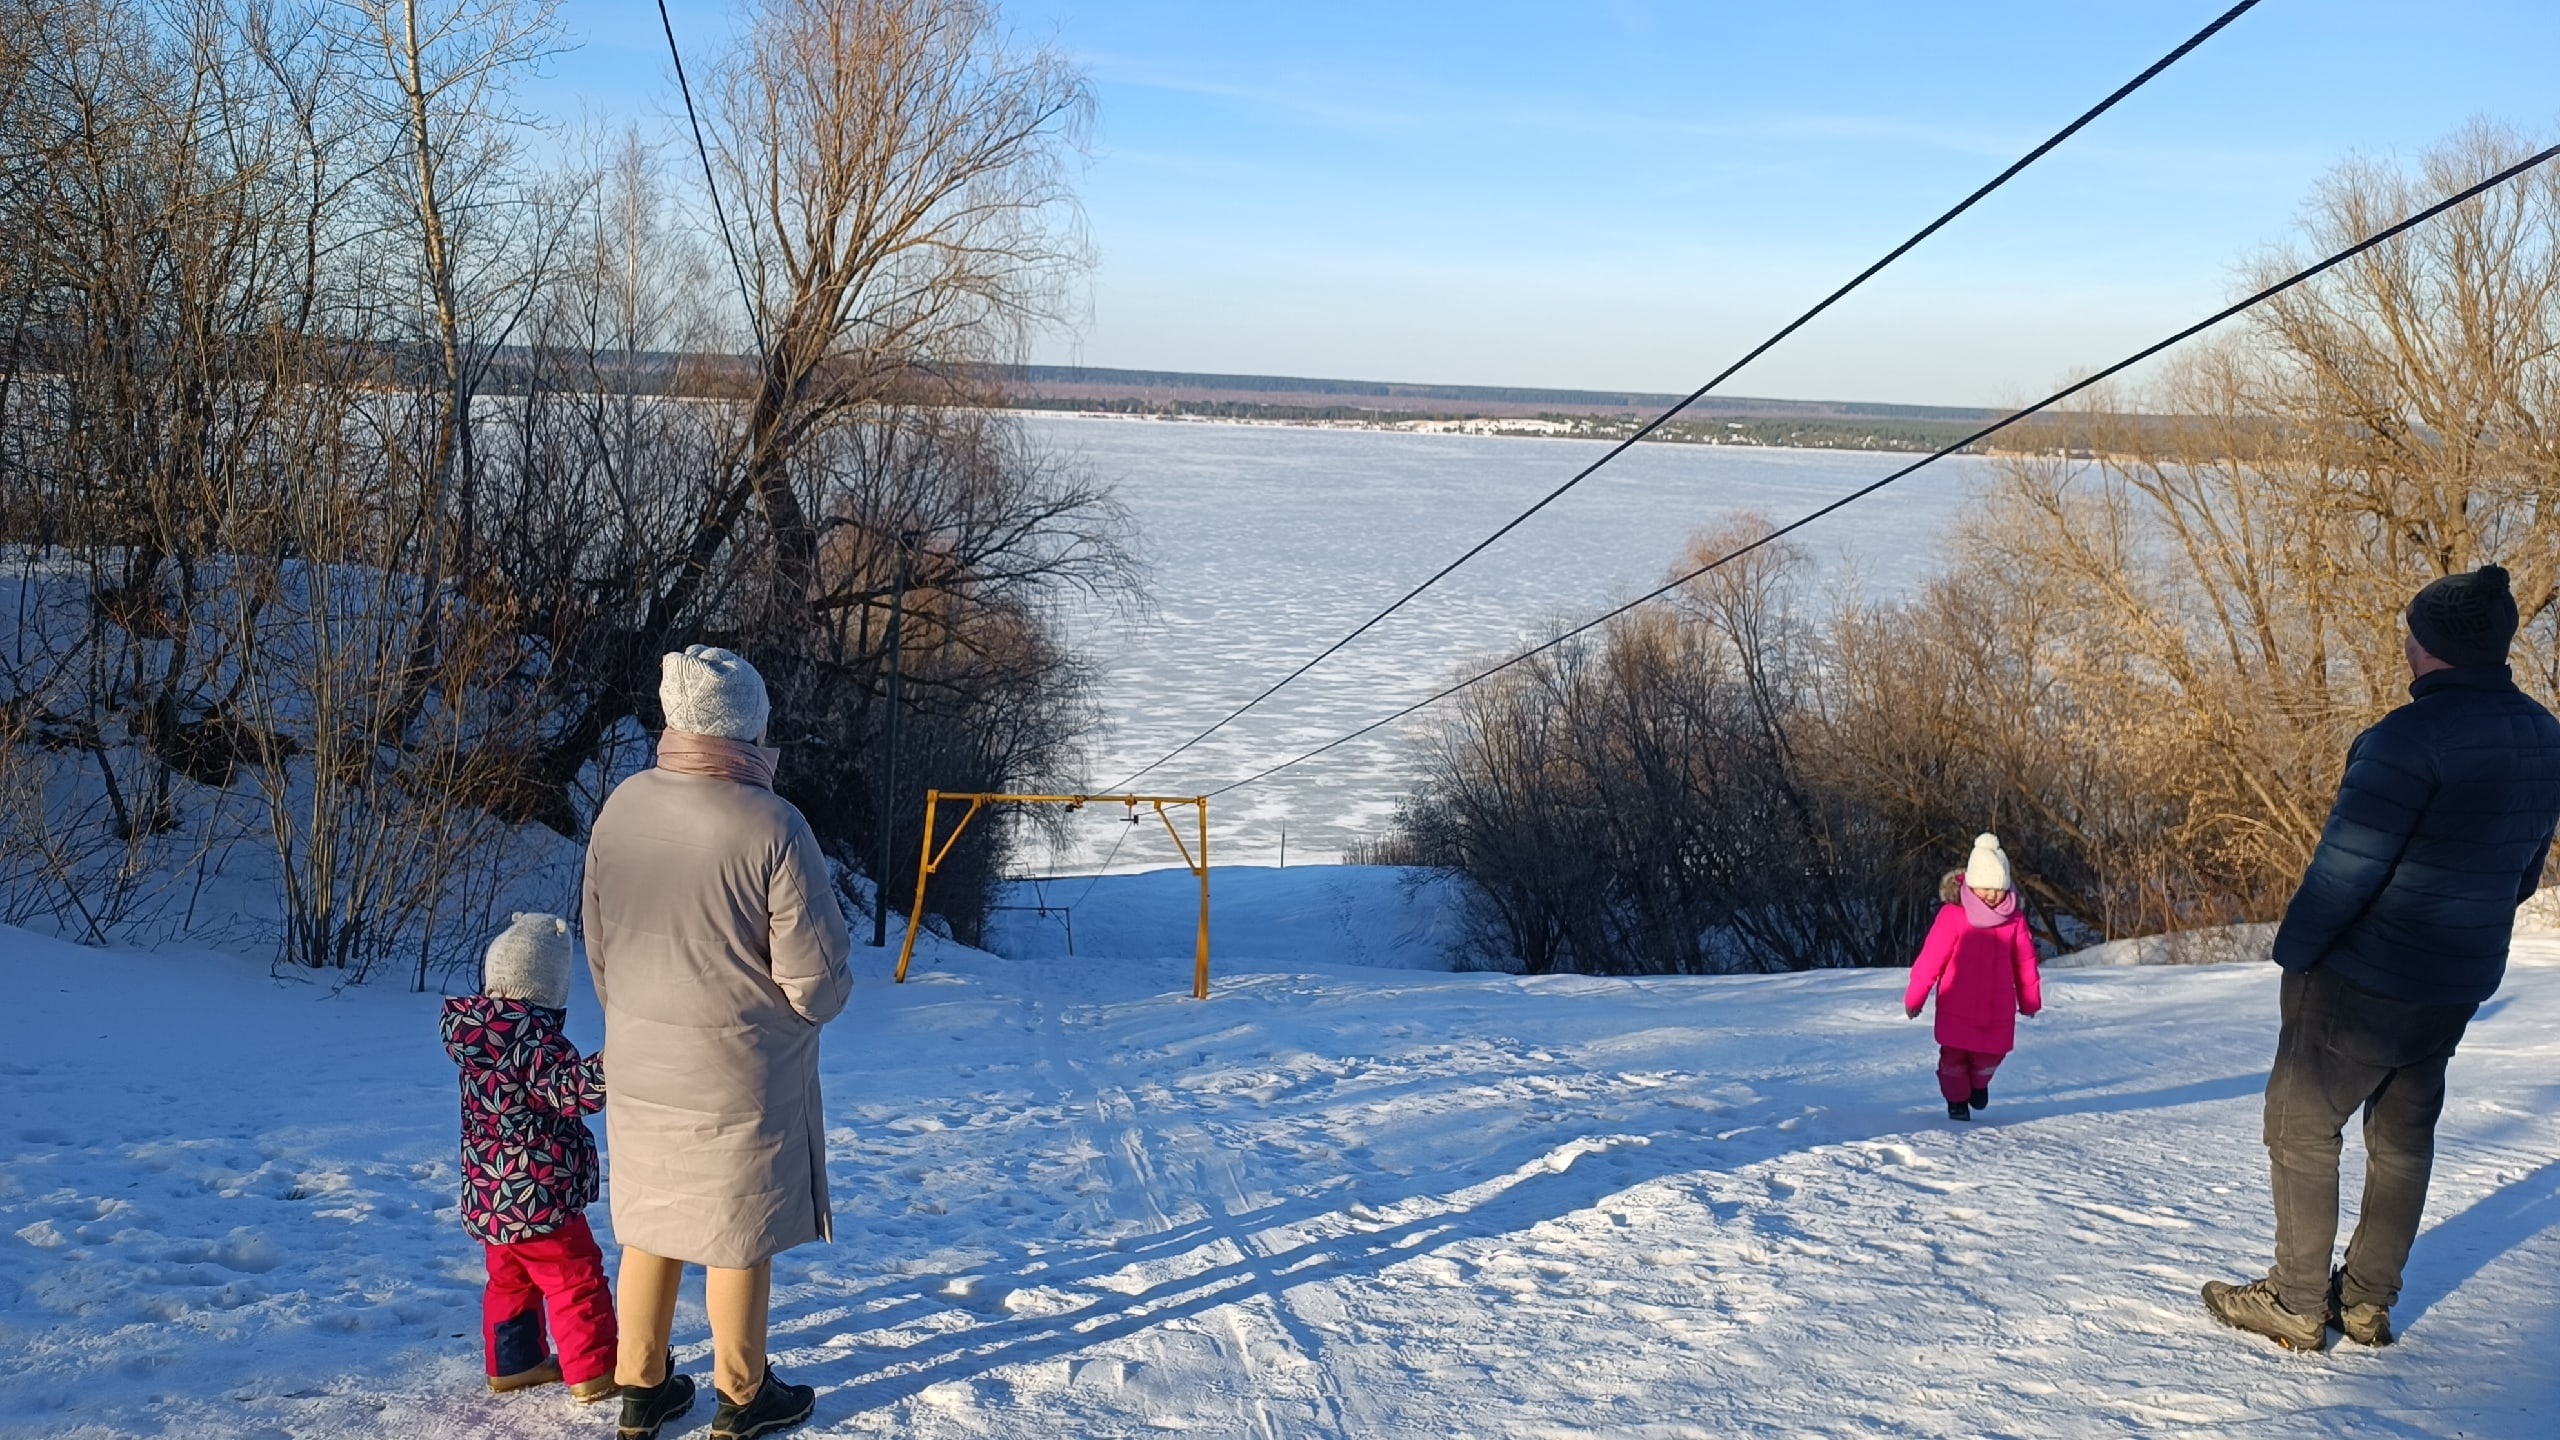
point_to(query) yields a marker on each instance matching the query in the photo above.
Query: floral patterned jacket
(528, 1160)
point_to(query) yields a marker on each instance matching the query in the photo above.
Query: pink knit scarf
(682, 752)
(1986, 917)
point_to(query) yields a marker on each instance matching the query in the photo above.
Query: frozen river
(1265, 544)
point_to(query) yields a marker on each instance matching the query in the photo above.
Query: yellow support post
(931, 863)
(924, 872)
(1200, 973)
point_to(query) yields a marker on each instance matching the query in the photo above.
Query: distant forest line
(1443, 401)
(1903, 436)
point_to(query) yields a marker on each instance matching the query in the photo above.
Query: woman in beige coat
(718, 951)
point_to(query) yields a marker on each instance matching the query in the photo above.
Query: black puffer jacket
(2439, 832)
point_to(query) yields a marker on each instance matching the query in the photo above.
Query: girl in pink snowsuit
(1981, 961)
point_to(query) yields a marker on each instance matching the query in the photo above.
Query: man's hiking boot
(2365, 1323)
(2254, 1307)
(1956, 1110)
(545, 1373)
(647, 1409)
(775, 1406)
(1982, 1098)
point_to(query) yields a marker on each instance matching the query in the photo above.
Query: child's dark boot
(546, 1373)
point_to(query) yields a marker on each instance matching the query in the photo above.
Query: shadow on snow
(1246, 1267)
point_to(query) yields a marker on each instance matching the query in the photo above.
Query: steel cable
(1694, 396)
(746, 298)
(2057, 397)
(1105, 867)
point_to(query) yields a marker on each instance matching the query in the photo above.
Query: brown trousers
(739, 1301)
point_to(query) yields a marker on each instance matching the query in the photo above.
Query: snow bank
(2224, 945)
(2251, 944)
(1259, 917)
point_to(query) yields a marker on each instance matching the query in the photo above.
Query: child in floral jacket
(529, 1165)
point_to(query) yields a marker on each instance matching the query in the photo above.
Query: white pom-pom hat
(529, 961)
(706, 690)
(1988, 867)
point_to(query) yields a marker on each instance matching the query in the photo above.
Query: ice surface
(1333, 1200)
(1268, 543)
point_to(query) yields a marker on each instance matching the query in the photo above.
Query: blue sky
(1631, 192)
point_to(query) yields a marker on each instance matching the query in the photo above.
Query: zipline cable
(1105, 867)
(1694, 396)
(755, 319)
(2057, 397)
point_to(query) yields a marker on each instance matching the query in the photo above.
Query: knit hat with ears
(2466, 621)
(529, 961)
(706, 690)
(1988, 867)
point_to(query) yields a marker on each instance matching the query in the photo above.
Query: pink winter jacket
(1985, 976)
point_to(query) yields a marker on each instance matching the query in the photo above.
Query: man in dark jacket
(2398, 933)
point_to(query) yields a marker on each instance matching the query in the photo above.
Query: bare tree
(904, 223)
(900, 173)
(2151, 659)
(439, 75)
(1646, 801)
(358, 464)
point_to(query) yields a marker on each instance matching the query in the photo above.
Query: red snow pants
(562, 1272)
(1961, 1071)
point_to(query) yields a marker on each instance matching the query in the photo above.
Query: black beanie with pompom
(2466, 621)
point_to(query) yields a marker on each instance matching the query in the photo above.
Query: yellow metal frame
(933, 858)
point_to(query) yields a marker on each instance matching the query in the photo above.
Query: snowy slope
(1331, 1201)
(1335, 914)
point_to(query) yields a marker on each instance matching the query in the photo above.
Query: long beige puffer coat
(718, 950)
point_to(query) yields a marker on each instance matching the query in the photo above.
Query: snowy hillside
(1330, 914)
(1331, 1201)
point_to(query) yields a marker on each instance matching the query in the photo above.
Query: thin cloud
(1475, 116)
(1322, 110)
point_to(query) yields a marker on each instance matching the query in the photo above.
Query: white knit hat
(1988, 867)
(706, 690)
(529, 961)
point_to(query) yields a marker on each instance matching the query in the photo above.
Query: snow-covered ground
(2221, 945)
(1333, 1200)
(1268, 543)
(1338, 914)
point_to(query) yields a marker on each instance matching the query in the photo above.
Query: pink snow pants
(1961, 1071)
(564, 1273)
